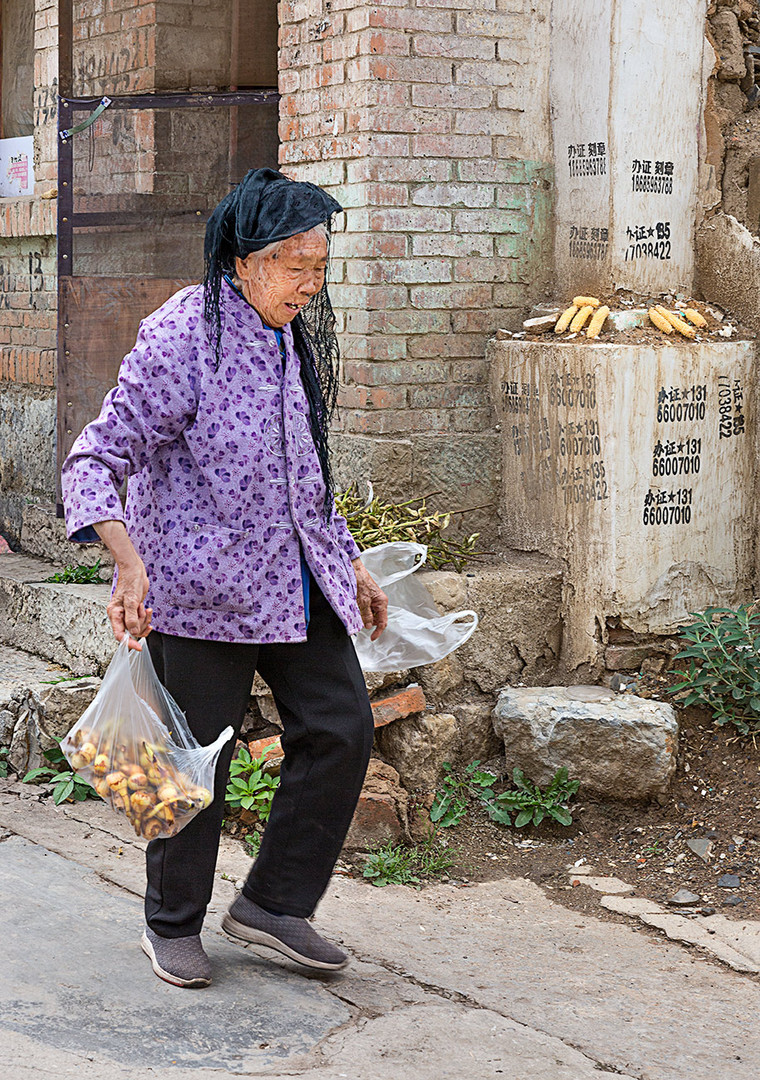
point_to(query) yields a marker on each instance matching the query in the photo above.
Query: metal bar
(177, 101)
(65, 233)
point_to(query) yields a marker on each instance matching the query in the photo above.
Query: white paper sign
(17, 166)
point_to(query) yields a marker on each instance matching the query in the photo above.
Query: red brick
(413, 219)
(391, 421)
(270, 747)
(451, 296)
(456, 146)
(395, 706)
(381, 397)
(387, 374)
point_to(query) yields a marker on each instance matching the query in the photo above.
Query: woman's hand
(372, 601)
(127, 612)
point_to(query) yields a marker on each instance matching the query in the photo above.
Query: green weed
(65, 784)
(525, 802)
(78, 575)
(723, 669)
(393, 864)
(250, 787)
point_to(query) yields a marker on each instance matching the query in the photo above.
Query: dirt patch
(714, 796)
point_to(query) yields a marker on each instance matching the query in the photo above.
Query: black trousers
(321, 696)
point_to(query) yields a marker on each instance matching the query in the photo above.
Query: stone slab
(74, 978)
(638, 1006)
(20, 670)
(63, 623)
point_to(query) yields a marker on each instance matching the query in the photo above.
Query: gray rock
(729, 881)
(621, 747)
(7, 723)
(701, 846)
(732, 901)
(684, 898)
(417, 748)
(29, 738)
(440, 678)
(477, 740)
(64, 703)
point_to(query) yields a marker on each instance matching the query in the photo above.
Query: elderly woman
(230, 554)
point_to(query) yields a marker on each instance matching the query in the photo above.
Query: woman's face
(278, 285)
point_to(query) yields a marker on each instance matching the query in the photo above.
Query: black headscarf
(264, 208)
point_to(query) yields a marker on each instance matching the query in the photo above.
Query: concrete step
(65, 624)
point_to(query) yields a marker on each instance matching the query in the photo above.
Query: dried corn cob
(585, 301)
(660, 321)
(677, 324)
(565, 319)
(597, 322)
(581, 319)
(695, 317)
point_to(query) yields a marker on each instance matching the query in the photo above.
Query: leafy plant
(372, 522)
(452, 800)
(65, 784)
(78, 575)
(526, 800)
(250, 787)
(723, 669)
(63, 678)
(4, 765)
(531, 804)
(393, 864)
(252, 843)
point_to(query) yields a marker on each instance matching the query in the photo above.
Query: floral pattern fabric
(225, 489)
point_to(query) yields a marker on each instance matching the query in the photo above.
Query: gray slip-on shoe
(179, 961)
(293, 937)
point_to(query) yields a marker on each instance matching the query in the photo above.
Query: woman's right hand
(127, 612)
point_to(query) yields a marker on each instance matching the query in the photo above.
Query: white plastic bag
(417, 633)
(135, 748)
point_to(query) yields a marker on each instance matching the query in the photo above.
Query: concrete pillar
(626, 96)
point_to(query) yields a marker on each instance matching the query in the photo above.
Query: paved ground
(491, 981)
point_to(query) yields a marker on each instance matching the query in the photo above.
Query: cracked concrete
(488, 981)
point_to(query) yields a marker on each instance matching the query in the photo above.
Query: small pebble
(729, 881)
(683, 896)
(732, 901)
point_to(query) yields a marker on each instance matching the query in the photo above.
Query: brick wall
(429, 121)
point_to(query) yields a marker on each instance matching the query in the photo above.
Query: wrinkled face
(280, 283)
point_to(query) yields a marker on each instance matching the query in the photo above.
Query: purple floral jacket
(225, 488)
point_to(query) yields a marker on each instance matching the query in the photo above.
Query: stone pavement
(490, 981)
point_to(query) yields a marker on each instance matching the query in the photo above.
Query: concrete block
(44, 535)
(520, 631)
(620, 747)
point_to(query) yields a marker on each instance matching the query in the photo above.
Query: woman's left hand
(372, 601)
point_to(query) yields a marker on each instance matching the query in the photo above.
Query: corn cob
(597, 322)
(660, 321)
(695, 317)
(581, 319)
(565, 319)
(585, 301)
(677, 324)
